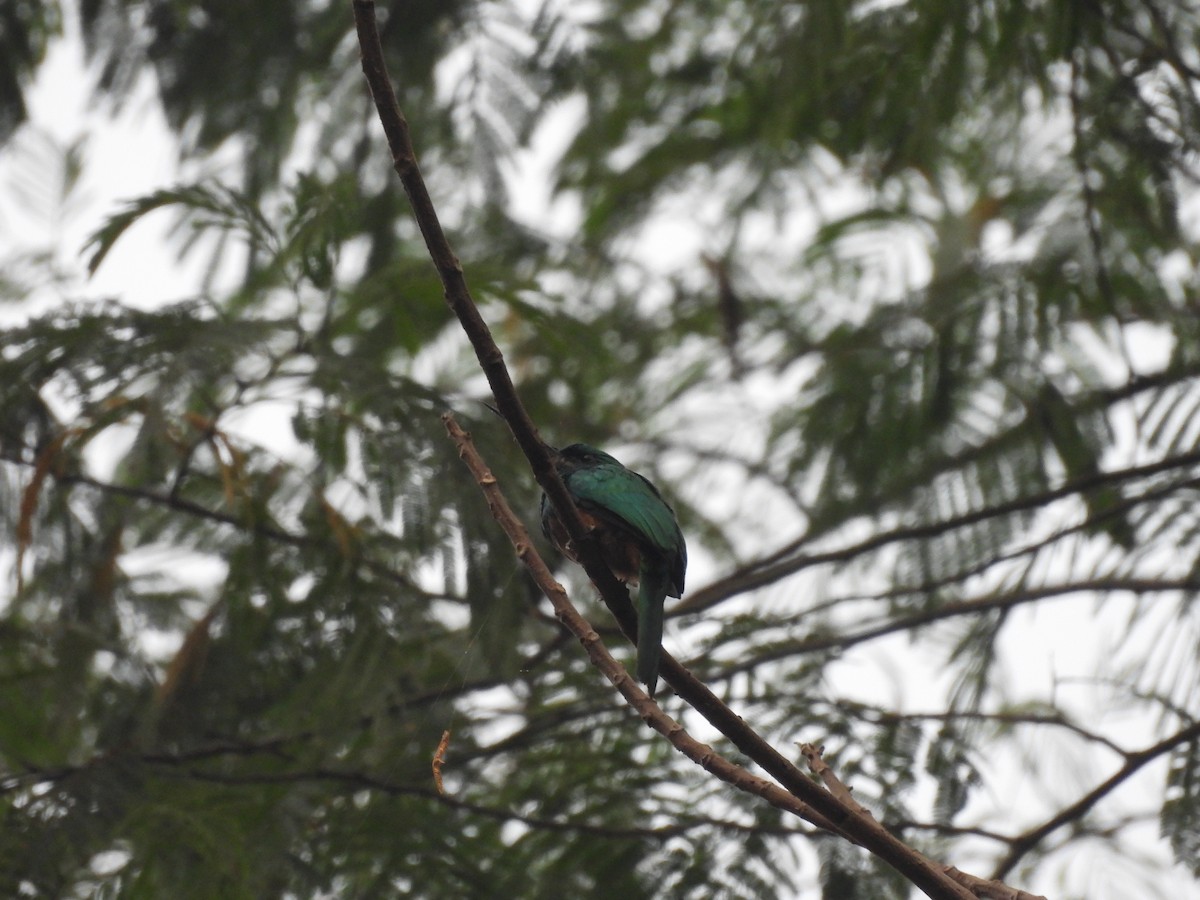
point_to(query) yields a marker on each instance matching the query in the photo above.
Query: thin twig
(1133, 761)
(248, 524)
(359, 779)
(996, 602)
(788, 561)
(979, 887)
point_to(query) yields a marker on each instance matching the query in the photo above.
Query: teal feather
(652, 596)
(630, 497)
(630, 510)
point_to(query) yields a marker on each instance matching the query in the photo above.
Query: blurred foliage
(896, 301)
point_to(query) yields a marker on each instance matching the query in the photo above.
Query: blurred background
(896, 302)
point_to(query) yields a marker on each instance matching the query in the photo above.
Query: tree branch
(829, 811)
(1022, 844)
(652, 714)
(173, 500)
(819, 806)
(974, 606)
(979, 887)
(1057, 719)
(788, 561)
(368, 781)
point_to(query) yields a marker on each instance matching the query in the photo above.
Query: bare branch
(979, 887)
(787, 560)
(974, 606)
(1133, 761)
(652, 714)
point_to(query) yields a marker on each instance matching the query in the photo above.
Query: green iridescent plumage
(637, 533)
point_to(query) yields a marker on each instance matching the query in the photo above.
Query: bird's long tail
(652, 594)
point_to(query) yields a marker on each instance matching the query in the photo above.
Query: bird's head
(581, 456)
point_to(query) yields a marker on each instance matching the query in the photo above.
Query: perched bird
(638, 536)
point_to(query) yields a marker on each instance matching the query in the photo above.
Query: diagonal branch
(700, 753)
(996, 602)
(829, 810)
(174, 500)
(1022, 844)
(822, 807)
(787, 560)
(980, 887)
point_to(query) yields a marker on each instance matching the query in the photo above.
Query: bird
(638, 536)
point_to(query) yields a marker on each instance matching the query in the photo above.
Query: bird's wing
(614, 492)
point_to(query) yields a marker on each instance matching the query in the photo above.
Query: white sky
(132, 154)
